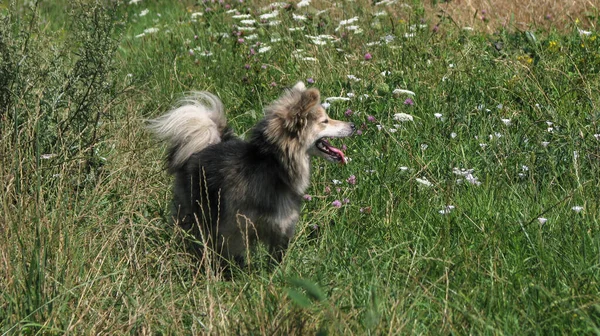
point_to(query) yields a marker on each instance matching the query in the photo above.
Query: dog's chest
(284, 221)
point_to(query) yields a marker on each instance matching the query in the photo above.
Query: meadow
(469, 204)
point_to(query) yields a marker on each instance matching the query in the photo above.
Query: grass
(85, 244)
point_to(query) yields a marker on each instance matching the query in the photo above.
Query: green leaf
(299, 298)
(312, 290)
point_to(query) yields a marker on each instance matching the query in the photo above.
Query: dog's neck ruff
(294, 161)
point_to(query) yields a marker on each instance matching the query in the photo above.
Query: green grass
(85, 244)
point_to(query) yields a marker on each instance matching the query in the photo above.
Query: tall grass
(478, 216)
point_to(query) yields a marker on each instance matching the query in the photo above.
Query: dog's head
(297, 121)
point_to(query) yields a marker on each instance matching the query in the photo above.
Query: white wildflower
(438, 115)
(336, 181)
(274, 5)
(144, 12)
(299, 17)
(472, 179)
(197, 14)
(506, 122)
(403, 91)
(584, 32)
(241, 16)
(246, 28)
(264, 49)
(325, 105)
(47, 156)
(248, 22)
(545, 143)
(577, 208)
(150, 30)
(134, 2)
(542, 220)
(453, 135)
(424, 181)
(271, 15)
(447, 209)
(303, 3)
(354, 78)
(296, 28)
(346, 22)
(331, 99)
(403, 117)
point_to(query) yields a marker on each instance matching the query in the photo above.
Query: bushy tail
(196, 122)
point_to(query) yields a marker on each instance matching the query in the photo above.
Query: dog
(231, 193)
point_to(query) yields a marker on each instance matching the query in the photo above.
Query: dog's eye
(325, 121)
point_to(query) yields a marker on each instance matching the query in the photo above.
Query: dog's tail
(196, 122)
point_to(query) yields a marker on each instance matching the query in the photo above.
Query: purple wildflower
(368, 56)
(337, 204)
(346, 200)
(240, 40)
(351, 179)
(247, 66)
(409, 102)
(370, 118)
(348, 113)
(307, 197)
(310, 80)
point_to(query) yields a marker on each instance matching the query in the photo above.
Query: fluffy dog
(231, 193)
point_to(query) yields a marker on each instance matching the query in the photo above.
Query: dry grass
(489, 15)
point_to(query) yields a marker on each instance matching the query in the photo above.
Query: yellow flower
(577, 21)
(525, 59)
(553, 46)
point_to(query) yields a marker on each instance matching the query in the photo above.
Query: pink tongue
(338, 152)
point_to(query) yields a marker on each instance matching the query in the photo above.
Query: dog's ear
(298, 114)
(309, 99)
(299, 86)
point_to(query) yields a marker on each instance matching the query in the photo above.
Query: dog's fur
(230, 192)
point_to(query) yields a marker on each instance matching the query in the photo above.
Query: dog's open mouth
(331, 153)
